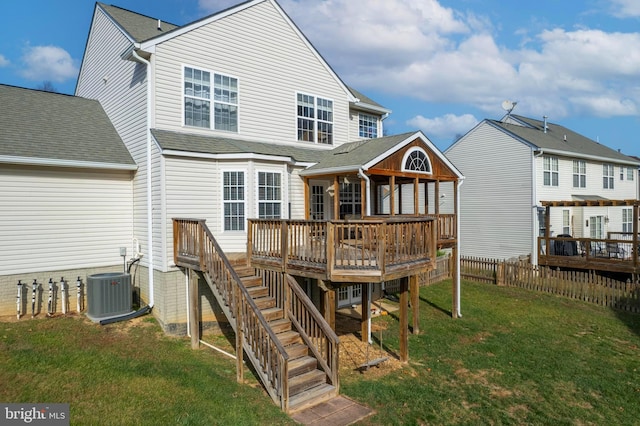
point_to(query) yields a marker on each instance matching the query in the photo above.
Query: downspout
(534, 204)
(362, 175)
(367, 181)
(149, 185)
(457, 260)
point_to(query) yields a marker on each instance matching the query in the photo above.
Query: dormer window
(197, 100)
(315, 119)
(368, 126)
(416, 160)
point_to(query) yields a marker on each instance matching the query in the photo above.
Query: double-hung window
(579, 174)
(627, 220)
(233, 200)
(629, 173)
(269, 195)
(368, 126)
(315, 119)
(607, 176)
(550, 171)
(566, 222)
(199, 112)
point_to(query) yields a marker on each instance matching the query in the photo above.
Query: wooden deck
(612, 254)
(371, 250)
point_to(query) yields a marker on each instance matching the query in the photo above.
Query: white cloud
(48, 63)
(3, 61)
(437, 54)
(449, 126)
(626, 8)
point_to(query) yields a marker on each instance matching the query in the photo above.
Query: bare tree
(47, 86)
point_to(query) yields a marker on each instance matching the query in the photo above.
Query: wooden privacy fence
(578, 285)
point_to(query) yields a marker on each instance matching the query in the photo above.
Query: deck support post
(366, 314)
(415, 302)
(194, 308)
(328, 303)
(404, 319)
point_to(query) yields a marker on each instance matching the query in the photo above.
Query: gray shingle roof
(50, 126)
(364, 98)
(356, 154)
(554, 139)
(188, 142)
(139, 27)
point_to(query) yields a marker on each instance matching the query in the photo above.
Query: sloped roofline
(149, 45)
(409, 138)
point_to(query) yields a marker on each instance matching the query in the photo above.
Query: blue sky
(441, 66)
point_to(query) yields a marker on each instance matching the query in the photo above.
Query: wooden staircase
(292, 349)
(308, 384)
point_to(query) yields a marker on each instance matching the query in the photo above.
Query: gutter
(8, 159)
(140, 59)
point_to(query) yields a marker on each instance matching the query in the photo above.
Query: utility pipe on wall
(33, 298)
(79, 292)
(19, 300)
(63, 296)
(50, 302)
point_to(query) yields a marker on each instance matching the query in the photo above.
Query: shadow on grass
(433, 305)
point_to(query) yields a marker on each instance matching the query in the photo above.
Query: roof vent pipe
(159, 25)
(544, 117)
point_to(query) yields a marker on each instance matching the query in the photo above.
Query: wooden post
(364, 198)
(194, 310)
(404, 320)
(284, 243)
(415, 302)
(416, 196)
(366, 313)
(329, 304)
(336, 198)
(239, 336)
(392, 196)
(307, 200)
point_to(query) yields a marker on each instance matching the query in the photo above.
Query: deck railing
(447, 227)
(195, 246)
(313, 329)
(610, 254)
(362, 250)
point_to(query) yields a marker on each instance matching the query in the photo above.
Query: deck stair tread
(244, 271)
(271, 314)
(308, 380)
(311, 397)
(297, 350)
(289, 337)
(280, 325)
(251, 281)
(265, 302)
(258, 291)
(302, 365)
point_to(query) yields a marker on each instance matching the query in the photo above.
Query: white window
(197, 100)
(607, 176)
(315, 119)
(621, 173)
(566, 222)
(550, 170)
(629, 173)
(233, 200)
(368, 125)
(627, 220)
(269, 195)
(579, 174)
(416, 160)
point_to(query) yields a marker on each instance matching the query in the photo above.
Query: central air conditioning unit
(108, 295)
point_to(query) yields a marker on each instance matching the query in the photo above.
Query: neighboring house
(513, 164)
(65, 193)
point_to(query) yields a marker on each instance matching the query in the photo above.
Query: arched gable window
(416, 160)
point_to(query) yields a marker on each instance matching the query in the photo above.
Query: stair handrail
(206, 263)
(326, 347)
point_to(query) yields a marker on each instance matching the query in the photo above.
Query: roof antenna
(508, 106)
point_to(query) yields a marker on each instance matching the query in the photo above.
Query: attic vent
(544, 117)
(565, 138)
(159, 25)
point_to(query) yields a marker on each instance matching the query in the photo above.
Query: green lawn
(515, 357)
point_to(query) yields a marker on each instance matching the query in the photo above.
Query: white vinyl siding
(120, 86)
(55, 220)
(270, 60)
(496, 198)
